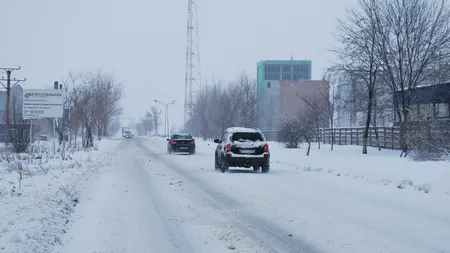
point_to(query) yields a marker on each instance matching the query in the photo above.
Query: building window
(286, 72)
(269, 85)
(441, 110)
(301, 72)
(272, 72)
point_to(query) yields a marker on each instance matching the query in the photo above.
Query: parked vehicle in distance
(181, 143)
(242, 147)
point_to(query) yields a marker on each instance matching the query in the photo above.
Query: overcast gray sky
(143, 42)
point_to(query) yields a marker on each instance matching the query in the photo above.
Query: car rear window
(181, 137)
(247, 137)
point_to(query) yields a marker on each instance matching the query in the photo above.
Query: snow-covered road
(150, 201)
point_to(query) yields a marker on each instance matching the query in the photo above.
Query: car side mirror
(167, 140)
(216, 141)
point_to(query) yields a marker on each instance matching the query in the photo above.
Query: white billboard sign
(42, 103)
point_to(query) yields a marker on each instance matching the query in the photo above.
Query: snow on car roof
(180, 134)
(242, 130)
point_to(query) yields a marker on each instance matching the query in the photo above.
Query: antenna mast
(193, 76)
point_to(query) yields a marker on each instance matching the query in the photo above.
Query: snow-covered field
(378, 167)
(36, 211)
(149, 201)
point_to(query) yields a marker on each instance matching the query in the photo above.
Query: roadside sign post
(42, 104)
(31, 140)
(54, 136)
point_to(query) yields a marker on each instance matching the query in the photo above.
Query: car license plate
(183, 147)
(247, 151)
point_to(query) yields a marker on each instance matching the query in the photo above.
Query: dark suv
(242, 147)
(181, 143)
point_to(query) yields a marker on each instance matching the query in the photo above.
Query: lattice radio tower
(193, 76)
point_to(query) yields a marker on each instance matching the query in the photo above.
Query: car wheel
(216, 164)
(265, 169)
(223, 166)
(256, 168)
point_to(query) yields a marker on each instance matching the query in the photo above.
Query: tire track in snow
(177, 238)
(263, 232)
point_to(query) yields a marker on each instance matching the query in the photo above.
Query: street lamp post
(166, 115)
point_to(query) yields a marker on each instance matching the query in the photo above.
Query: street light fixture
(166, 120)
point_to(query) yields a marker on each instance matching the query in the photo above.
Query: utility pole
(8, 88)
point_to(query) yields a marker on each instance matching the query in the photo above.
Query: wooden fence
(388, 137)
(270, 135)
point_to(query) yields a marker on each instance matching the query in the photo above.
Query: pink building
(292, 92)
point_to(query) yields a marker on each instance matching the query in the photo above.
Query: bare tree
(245, 92)
(155, 115)
(316, 110)
(145, 126)
(330, 98)
(148, 123)
(93, 101)
(113, 126)
(290, 134)
(108, 93)
(382, 107)
(414, 46)
(306, 128)
(140, 128)
(297, 130)
(20, 129)
(358, 37)
(217, 107)
(199, 119)
(85, 107)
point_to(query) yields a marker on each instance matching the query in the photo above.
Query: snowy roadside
(36, 213)
(384, 168)
(349, 212)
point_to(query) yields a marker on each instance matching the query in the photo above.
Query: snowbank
(36, 212)
(384, 168)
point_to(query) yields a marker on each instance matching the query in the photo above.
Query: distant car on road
(181, 143)
(128, 135)
(242, 147)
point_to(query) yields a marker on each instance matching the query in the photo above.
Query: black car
(242, 147)
(181, 143)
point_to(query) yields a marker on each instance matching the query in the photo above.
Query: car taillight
(266, 148)
(228, 147)
(174, 142)
(192, 142)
